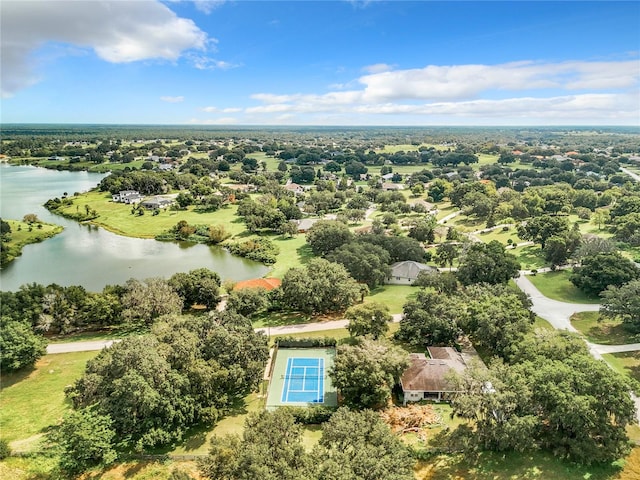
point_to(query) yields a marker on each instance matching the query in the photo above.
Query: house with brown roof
(269, 283)
(430, 378)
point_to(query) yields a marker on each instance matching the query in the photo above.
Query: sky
(336, 62)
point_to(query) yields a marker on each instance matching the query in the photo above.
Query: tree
(591, 245)
(370, 319)
(188, 370)
(399, 248)
(145, 301)
(86, 439)
(540, 229)
(446, 253)
(430, 320)
(487, 263)
(599, 218)
(327, 235)
(439, 189)
(622, 302)
(20, 347)
(601, 270)
(496, 317)
(359, 445)
(270, 448)
(248, 301)
(365, 263)
(320, 287)
(441, 282)
(5, 229)
(198, 287)
(553, 395)
(33, 218)
(365, 373)
(423, 229)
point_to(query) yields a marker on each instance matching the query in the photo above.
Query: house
(157, 202)
(392, 186)
(266, 283)
(405, 273)
(430, 378)
(55, 157)
(129, 197)
(294, 188)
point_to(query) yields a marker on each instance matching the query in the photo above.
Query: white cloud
(117, 31)
(220, 110)
(377, 68)
(574, 91)
(215, 121)
(208, 6)
(202, 62)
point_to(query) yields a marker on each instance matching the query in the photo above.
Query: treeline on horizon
(399, 134)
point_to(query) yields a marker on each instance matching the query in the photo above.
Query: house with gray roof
(405, 273)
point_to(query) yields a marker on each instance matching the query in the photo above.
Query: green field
(602, 330)
(117, 217)
(393, 296)
(626, 363)
(556, 285)
(31, 401)
(21, 236)
(522, 466)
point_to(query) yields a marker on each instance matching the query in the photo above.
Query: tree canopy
(186, 371)
(487, 263)
(365, 373)
(318, 287)
(602, 270)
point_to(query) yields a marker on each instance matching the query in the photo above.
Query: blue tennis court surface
(303, 380)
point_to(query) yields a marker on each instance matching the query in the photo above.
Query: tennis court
(299, 378)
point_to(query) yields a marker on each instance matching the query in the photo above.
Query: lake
(91, 256)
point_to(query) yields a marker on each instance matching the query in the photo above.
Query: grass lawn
(522, 466)
(556, 285)
(30, 401)
(542, 323)
(604, 331)
(117, 217)
(294, 252)
(626, 363)
(393, 296)
(21, 236)
(501, 236)
(197, 441)
(529, 256)
(43, 468)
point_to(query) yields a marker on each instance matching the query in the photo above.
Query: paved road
(79, 346)
(635, 176)
(556, 313)
(273, 331)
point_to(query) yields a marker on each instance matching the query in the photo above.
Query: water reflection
(88, 255)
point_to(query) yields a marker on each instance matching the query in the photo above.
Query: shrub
(5, 449)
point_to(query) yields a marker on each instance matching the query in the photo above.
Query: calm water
(90, 256)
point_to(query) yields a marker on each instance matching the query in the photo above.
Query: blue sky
(320, 63)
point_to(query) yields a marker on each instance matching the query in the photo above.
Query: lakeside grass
(117, 217)
(556, 285)
(32, 400)
(20, 236)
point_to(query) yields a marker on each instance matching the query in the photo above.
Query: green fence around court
(279, 370)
